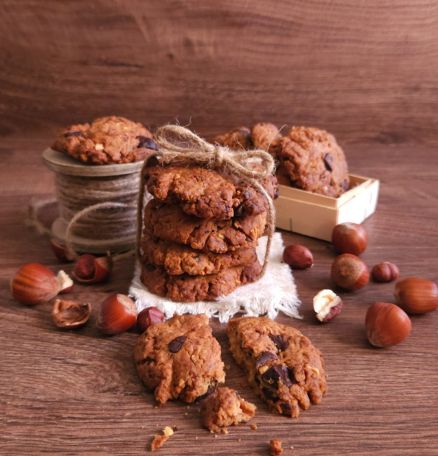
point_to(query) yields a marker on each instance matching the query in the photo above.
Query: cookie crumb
(253, 426)
(275, 447)
(160, 439)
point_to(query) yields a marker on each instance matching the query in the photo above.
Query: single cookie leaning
(206, 193)
(185, 288)
(314, 161)
(282, 365)
(105, 141)
(179, 359)
(224, 407)
(178, 259)
(168, 222)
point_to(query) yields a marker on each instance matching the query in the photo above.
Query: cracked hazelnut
(349, 238)
(34, 283)
(69, 314)
(297, 256)
(91, 269)
(61, 252)
(148, 317)
(117, 314)
(385, 272)
(327, 305)
(349, 272)
(416, 296)
(386, 324)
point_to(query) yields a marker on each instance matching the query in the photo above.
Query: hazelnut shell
(69, 314)
(349, 272)
(349, 238)
(416, 295)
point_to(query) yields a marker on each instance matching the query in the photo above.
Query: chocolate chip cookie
(106, 140)
(179, 359)
(282, 365)
(186, 288)
(224, 407)
(170, 223)
(178, 259)
(264, 136)
(206, 193)
(314, 161)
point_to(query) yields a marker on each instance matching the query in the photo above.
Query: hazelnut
(148, 317)
(117, 314)
(61, 252)
(297, 256)
(34, 283)
(70, 314)
(327, 305)
(416, 296)
(91, 269)
(386, 324)
(349, 272)
(349, 238)
(385, 272)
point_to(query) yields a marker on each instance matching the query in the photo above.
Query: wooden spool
(62, 164)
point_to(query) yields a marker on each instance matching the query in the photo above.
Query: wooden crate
(315, 215)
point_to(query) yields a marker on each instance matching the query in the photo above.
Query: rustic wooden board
(365, 70)
(78, 392)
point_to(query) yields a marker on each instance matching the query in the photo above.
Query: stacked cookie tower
(200, 232)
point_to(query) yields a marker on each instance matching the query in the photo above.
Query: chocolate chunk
(276, 373)
(280, 342)
(264, 357)
(72, 133)
(285, 408)
(328, 162)
(148, 143)
(176, 344)
(269, 394)
(211, 388)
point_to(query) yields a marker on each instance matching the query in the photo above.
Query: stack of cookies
(200, 232)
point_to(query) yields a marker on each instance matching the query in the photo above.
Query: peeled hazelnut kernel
(297, 256)
(34, 283)
(349, 272)
(148, 317)
(385, 272)
(327, 305)
(61, 252)
(68, 314)
(117, 314)
(91, 269)
(416, 296)
(349, 238)
(386, 324)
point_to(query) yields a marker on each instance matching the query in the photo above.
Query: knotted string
(179, 146)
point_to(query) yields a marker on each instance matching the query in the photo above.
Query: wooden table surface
(78, 392)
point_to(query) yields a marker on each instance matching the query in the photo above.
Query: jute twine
(180, 146)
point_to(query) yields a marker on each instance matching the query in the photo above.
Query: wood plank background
(366, 70)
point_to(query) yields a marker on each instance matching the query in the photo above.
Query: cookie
(185, 288)
(314, 161)
(106, 140)
(206, 193)
(179, 359)
(264, 136)
(224, 407)
(168, 222)
(282, 365)
(178, 259)
(237, 139)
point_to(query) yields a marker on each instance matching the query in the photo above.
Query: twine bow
(180, 146)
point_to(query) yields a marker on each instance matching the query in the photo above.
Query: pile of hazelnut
(386, 323)
(35, 284)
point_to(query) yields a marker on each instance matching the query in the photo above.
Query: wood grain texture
(364, 70)
(78, 392)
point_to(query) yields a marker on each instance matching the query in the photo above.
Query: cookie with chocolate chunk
(314, 161)
(186, 288)
(224, 407)
(282, 365)
(170, 223)
(178, 259)
(106, 140)
(179, 359)
(205, 192)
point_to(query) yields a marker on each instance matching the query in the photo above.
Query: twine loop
(179, 146)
